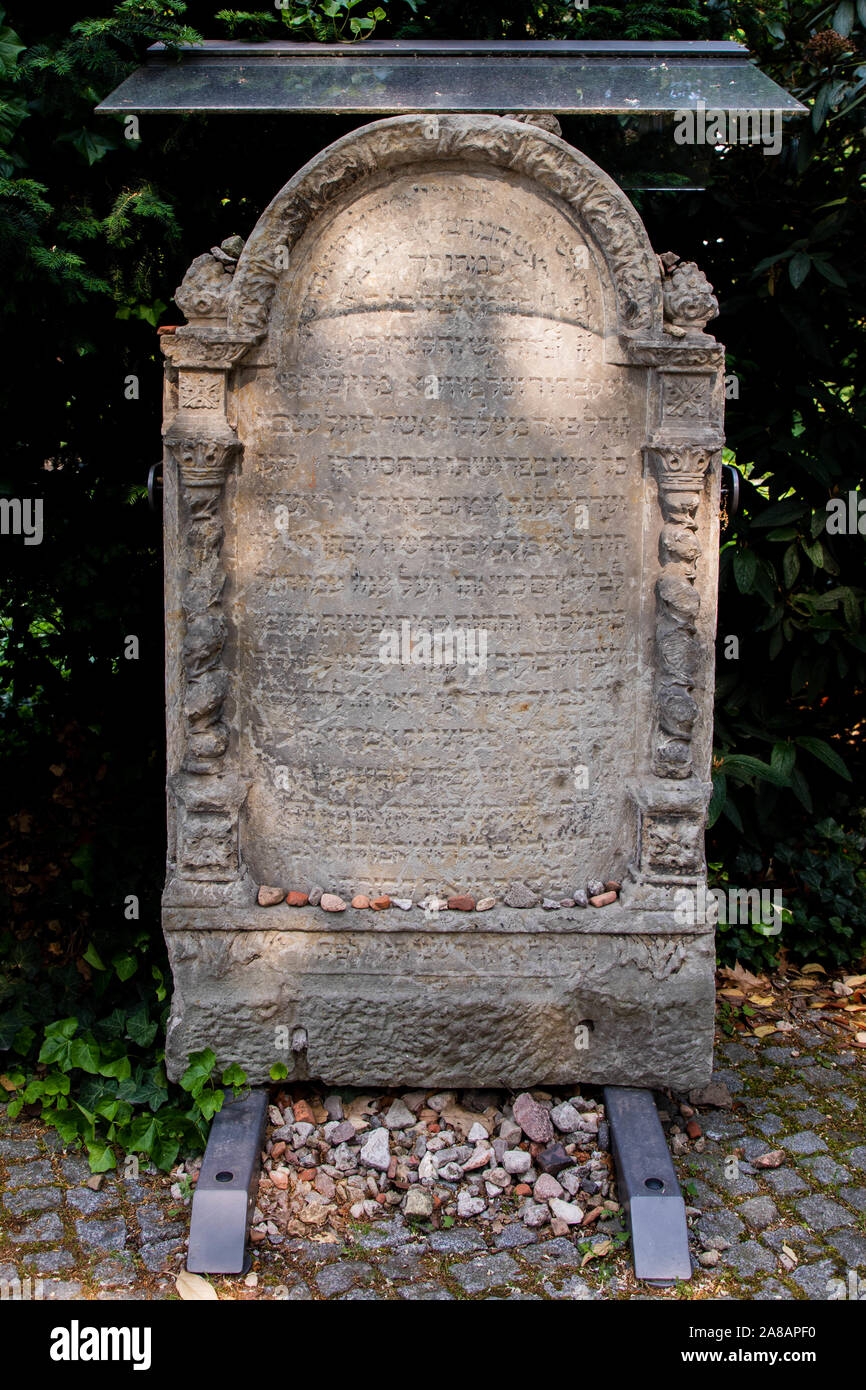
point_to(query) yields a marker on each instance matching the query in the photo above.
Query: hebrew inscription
(438, 542)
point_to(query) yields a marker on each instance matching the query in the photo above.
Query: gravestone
(443, 446)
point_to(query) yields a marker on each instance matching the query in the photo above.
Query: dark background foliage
(95, 233)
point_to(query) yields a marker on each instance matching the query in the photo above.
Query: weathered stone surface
(442, 359)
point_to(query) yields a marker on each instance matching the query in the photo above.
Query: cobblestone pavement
(782, 1232)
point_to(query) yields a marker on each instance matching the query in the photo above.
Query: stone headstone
(441, 509)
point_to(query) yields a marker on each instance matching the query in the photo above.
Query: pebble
(331, 903)
(519, 895)
(461, 902)
(477, 1133)
(580, 897)
(315, 896)
(269, 897)
(379, 904)
(399, 1116)
(485, 904)
(434, 904)
(342, 1133)
(534, 1214)
(594, 887)
(296, 899)
(613, 885)
(418, 1202)
(602, 899)
(360, 900)
(403, 903)
(516, 1161)
(533, 1119)
(569, 1212)
(565, 1117)
(468, 1206)
(479, 1159)
(550, 904)
(376, 1151)
(553, 1159)
(546, 1187)
(566, 902)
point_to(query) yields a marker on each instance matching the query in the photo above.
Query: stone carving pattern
(537, 154)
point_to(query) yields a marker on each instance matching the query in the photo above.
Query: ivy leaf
(125, 965)
(92, 956)
(100, 1156)
(140, 1027)
(120, 1068)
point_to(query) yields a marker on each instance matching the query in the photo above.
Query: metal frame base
(225, 1193)
(648, 1187)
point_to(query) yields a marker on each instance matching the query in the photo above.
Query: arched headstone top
(606, 216)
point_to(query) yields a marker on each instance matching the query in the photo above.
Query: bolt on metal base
(225, 1194)
(648, 1187)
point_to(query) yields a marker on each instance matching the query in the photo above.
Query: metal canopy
(558, 77)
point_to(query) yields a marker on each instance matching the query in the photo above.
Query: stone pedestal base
(497, 1003)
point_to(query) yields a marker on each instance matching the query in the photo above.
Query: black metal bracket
(154, 486)
(648, 1187)
(225, 1193)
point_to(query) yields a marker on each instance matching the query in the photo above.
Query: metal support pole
(225, 1193)
(648, 1187)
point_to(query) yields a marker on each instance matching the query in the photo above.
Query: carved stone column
(201, 450)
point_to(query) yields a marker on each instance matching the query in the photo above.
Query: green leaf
(120, 1068)
(234, 1075)
(199, 1071)
(790, 566)
(125, 964)
(714, 810)
(799, 267)
(745, 570)
(140, 1027)
(780, 513)
(843, 19)
(824, 753)
(278, 1072)
(92, 956)
(210, 1102)
(84, 1053)
(783, 758)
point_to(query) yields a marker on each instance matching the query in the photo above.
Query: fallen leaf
(740, 976)
(813, 969)
(601, 1247)
(849, 1009)
(783, 1026)
(192, 1287)
(860, 1038)
(732, 993)
(762, 1000)
(7, 1084)
(765, 1030)
(854, 980)
(786, 1250)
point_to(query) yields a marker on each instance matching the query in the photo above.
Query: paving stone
(30, 1199)
(571, 1288)
(61, 1289)
(805, 1141)
(717, 1125)
(295, 1291)
(720, 1224)
(456, 1242)
(154, 1225)
(46, 1229)
(107, 1234)
(76, 1169)
(342, 1276)
(698, 1194)
(560, 1253)
(777, 1056)
(772, 1291)
(820, 1078)
(405, 1264)
(825, 1169)
(735, 1052)
(794, 1091)
(785, 1182)
(19, 1148)
(88, 1202)
(29, 1174)
(749, 1258)
(52, 1261)
(515, 1237)
(362, 1296)
(158, 1256)
(850, 1246)
(769, 1125)
(313, 1252)
(815, 1280)
(854, 1196)
(374, 1240)
(484, 1272)
(113, 1272)
(759, 1212)
(822, 1213)
(426, 1293)
(801, 1241)
(518, 1296)
(857, 1157)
